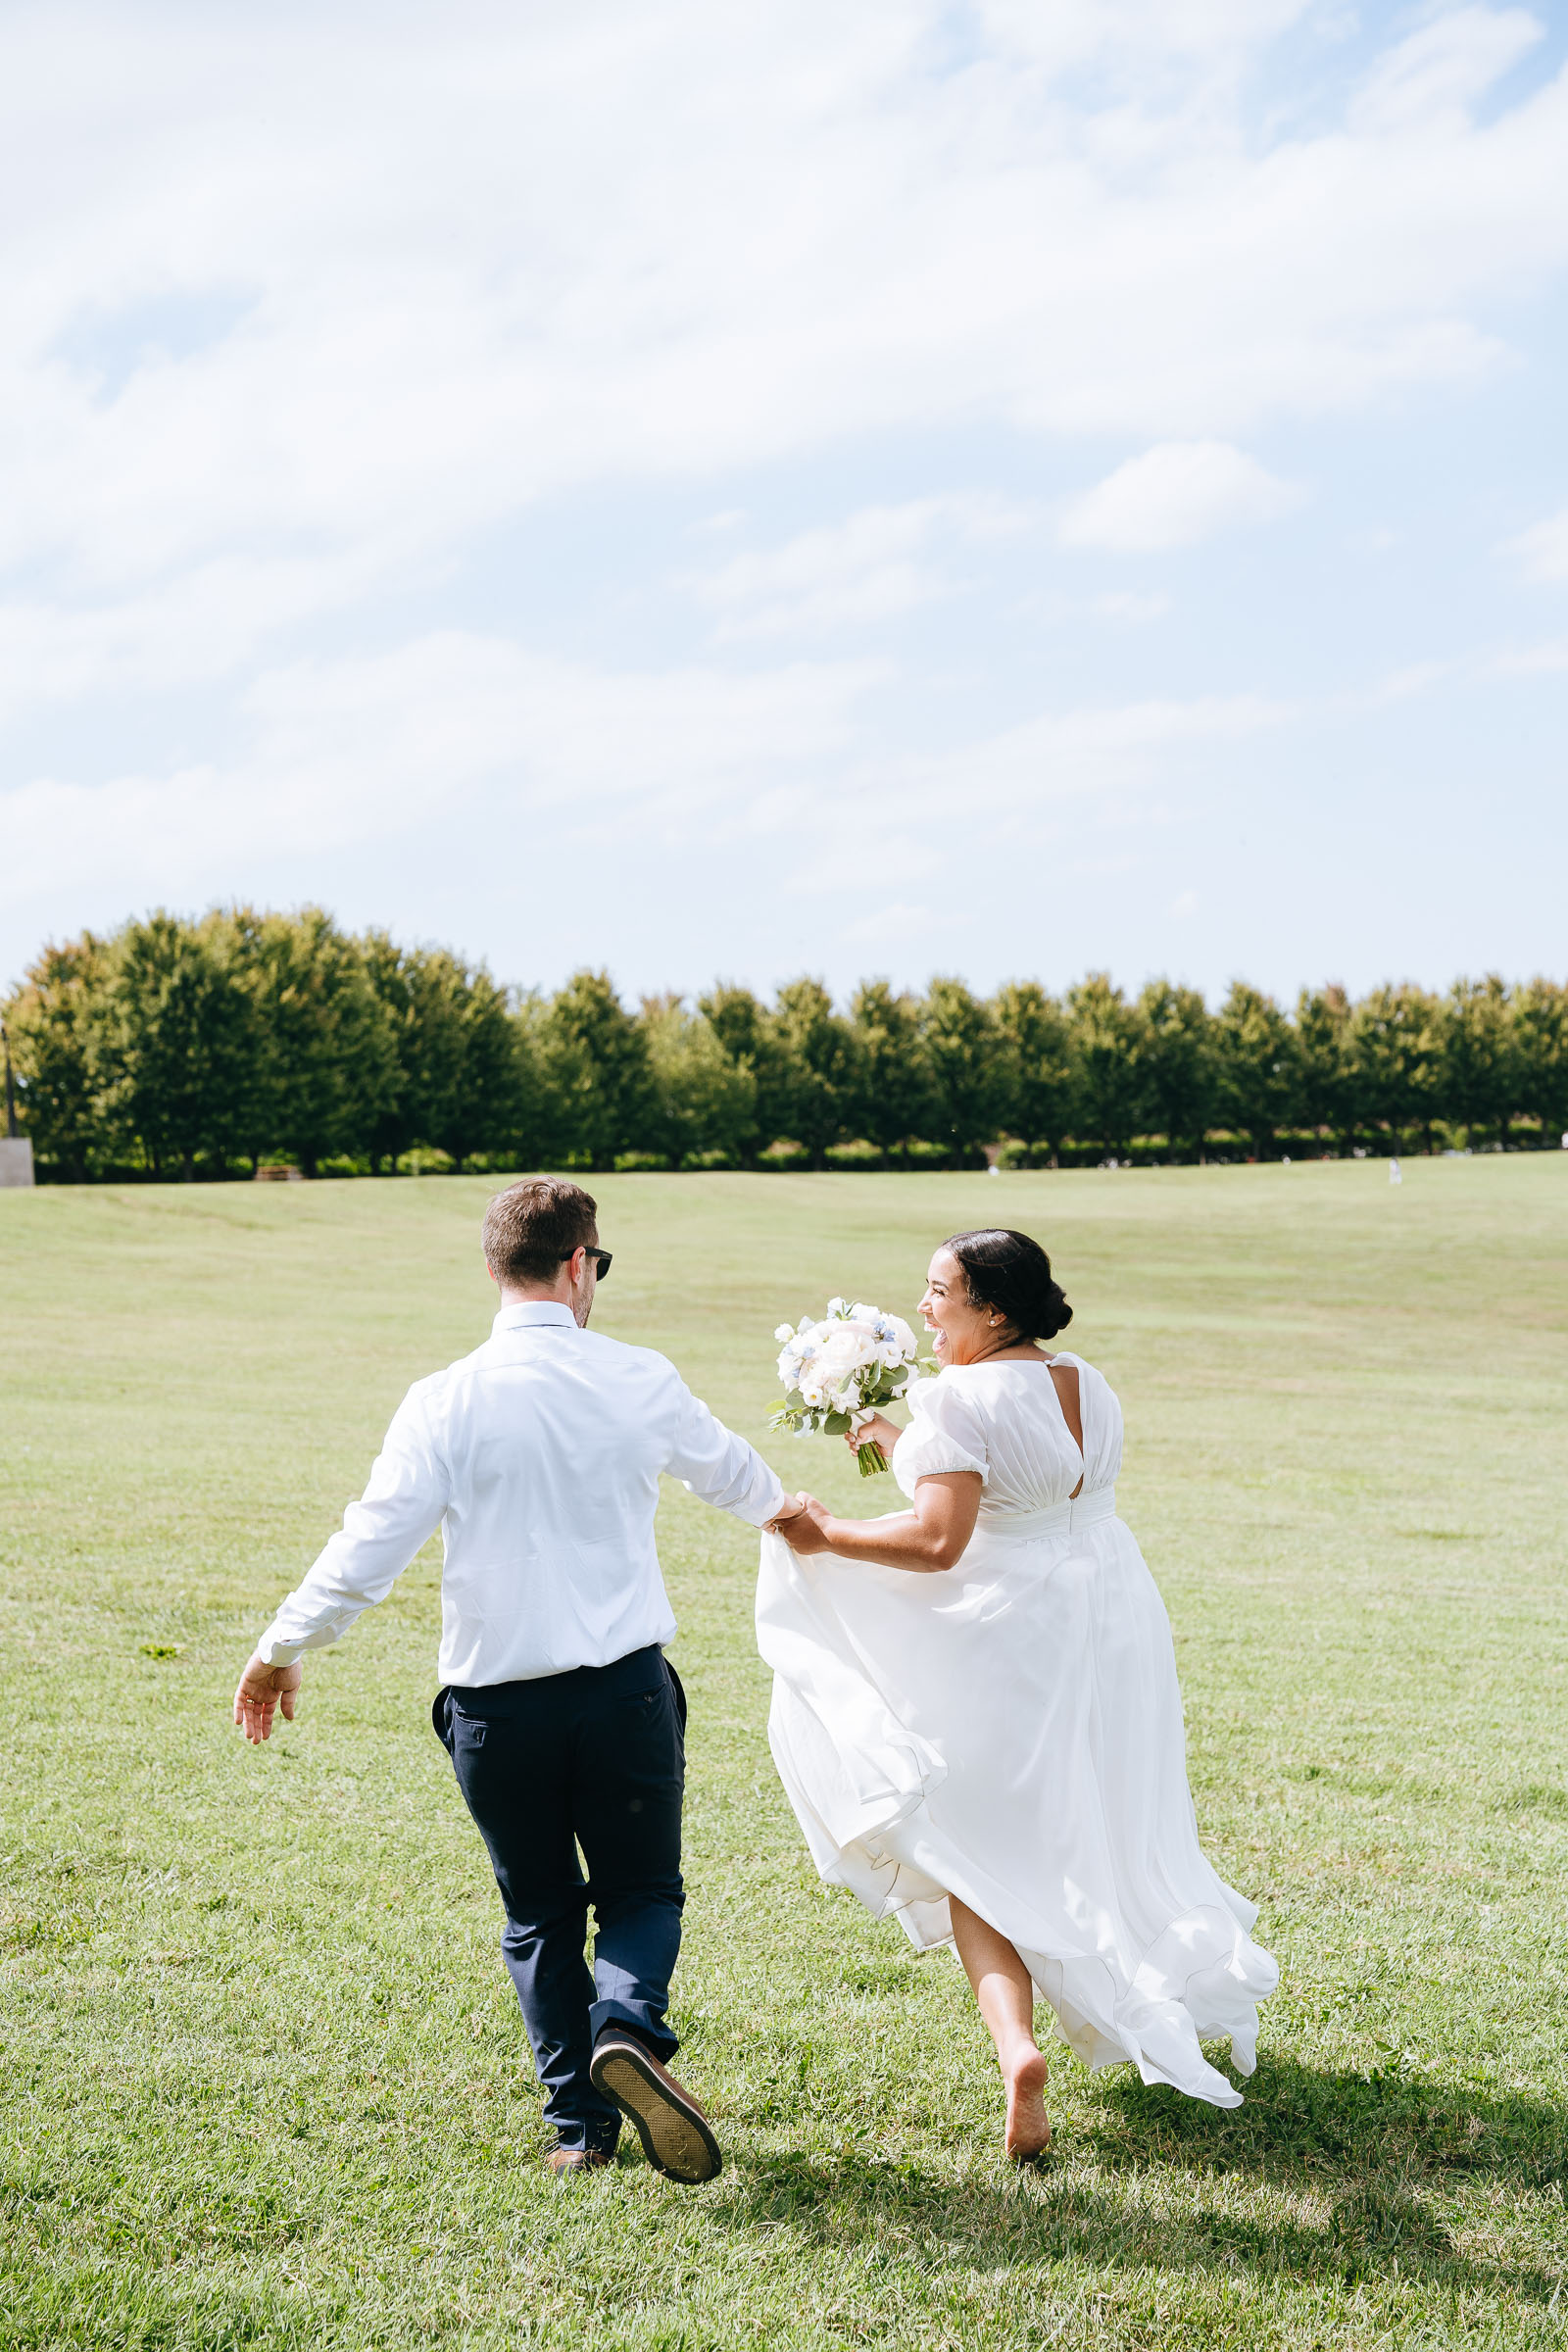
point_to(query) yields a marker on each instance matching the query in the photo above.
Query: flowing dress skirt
(1010, 1732)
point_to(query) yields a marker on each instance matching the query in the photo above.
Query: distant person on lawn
(539, 1457)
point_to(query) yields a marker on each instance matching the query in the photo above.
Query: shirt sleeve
(713, 1463)
(401, 1508)
(944, 1434)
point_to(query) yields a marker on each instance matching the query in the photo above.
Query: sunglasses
(603, 1259)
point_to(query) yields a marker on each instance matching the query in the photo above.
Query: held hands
(263, 1689)
(804, 1527)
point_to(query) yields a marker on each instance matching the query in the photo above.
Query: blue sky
(1005, 489)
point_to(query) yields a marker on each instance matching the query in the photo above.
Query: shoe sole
(675, 2136)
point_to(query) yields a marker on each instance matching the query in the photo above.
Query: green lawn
(264, 2080)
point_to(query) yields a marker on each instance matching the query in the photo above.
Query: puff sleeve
(944, 1434)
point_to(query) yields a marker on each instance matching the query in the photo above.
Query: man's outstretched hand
(792, 1507)
(263, 1689)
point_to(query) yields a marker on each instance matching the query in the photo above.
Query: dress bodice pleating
(1005, 1420)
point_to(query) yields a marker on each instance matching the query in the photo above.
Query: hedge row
(209, 1048)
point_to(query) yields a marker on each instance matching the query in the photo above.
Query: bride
(976, 1714)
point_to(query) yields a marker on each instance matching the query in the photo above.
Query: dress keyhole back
(1066, 1388)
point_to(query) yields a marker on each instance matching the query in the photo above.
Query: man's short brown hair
(534, 1227)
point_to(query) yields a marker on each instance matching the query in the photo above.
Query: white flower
(833, 1366)
(848, 1349)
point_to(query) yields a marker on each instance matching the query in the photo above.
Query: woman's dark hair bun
(1011, 1272)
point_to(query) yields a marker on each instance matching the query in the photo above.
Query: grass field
(264, 2081)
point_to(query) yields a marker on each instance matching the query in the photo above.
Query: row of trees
(212, 1047)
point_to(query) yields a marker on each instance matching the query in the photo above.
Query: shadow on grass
(1377, 2157)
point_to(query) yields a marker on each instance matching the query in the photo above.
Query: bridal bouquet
(839, 1372)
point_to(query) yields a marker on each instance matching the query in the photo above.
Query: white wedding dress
(1010, 1732)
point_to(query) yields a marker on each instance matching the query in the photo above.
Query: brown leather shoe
(676, 2135)
(562, 2161)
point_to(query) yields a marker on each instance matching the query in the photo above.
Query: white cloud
(468, 260)
(1093, 763)
(1543, 549)
(1128, 607)
(1529, 661)
(354, 752)
(882, 927)
(1173, 496)
(489, 744)
(199, 623)
(877, 565)
(315, 322)
(1430, 80)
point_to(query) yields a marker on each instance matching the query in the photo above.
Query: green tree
(1180, 1063)
(817, 1048)
(704, 1100)
(1541, 1053)
(184, 1027)
(58, 1021)
(1322, 1060)
(491, 1112)
(328, 1058)
(601, 1050)
(968, 1076)
(552, 1088)
(751, 1038)
(1107, 1035)
(1478, 1045)
(893, 1092)
(457, 1079)
(1255, 1045)
(387, 968)
(1393, 1054)
(1034, 1040)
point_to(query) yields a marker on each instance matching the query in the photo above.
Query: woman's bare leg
(1006, 1996)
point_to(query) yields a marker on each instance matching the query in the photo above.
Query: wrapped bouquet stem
(840, 1371)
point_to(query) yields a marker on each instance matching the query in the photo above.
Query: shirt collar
(523, 1314)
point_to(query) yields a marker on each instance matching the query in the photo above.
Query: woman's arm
(932, 1537)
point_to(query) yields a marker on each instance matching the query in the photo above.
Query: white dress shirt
(538, 1457)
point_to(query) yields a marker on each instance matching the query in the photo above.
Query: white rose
(848, 1349)
(785, 1331)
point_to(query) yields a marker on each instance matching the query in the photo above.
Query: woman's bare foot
(1028, 2134)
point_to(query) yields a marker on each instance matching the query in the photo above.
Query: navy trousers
(596, 1759)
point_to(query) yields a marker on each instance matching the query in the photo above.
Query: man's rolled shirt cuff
(276, 1648)
(759, 1512)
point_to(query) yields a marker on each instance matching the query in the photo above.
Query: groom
(539, 1457)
